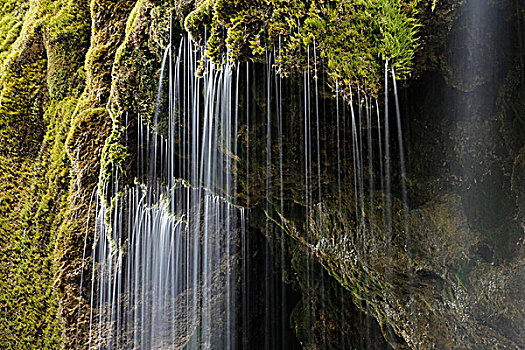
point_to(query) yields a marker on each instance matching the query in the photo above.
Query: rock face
(451, 279)
(448, 272)
(464, 147)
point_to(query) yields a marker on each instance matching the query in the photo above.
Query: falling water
(170, 264)
(165, 248)
(278, 99)
(268, 285)
(387, 188)
(402, 164)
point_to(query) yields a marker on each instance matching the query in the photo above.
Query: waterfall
(165, 249)
(171, 263)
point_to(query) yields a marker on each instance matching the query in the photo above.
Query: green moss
(40, 87)
(52, 134)
(67, 34)
(35, 216)
(11, 16)
(199, 21)
(136, 64)
(22, 102)
(353, 38)
(113, 154)
(40, 217)
(52, 89)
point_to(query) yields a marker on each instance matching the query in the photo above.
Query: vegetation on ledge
(352, 38)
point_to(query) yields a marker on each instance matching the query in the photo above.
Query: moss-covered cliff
(72, 72)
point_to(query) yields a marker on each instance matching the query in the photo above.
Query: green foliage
(353, 38)
(398, 34)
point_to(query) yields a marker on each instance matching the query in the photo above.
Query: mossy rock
(353, 39)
